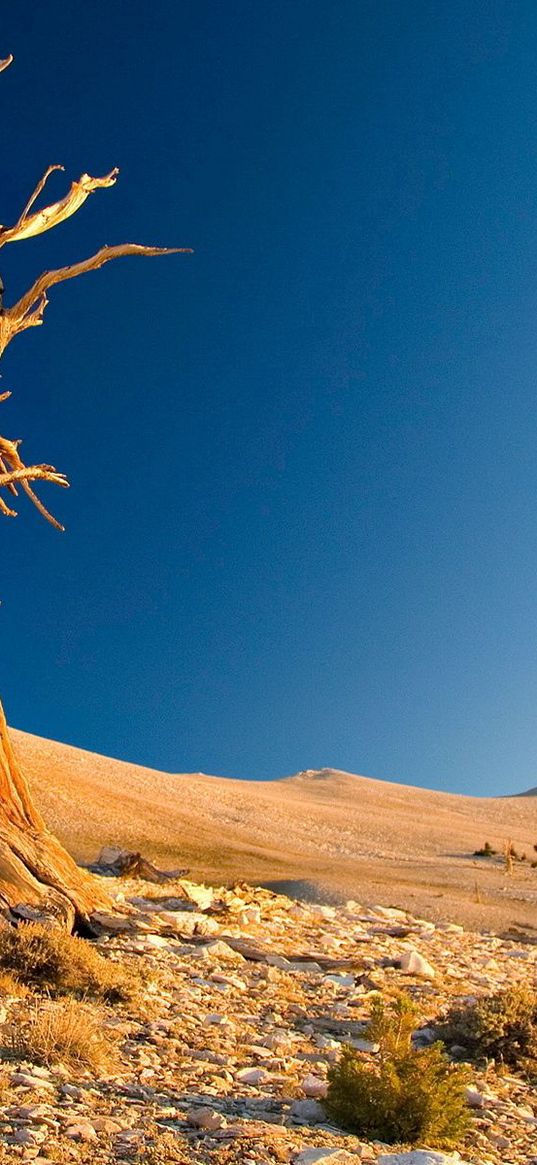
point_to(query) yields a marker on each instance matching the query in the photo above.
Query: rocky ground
(247, 999)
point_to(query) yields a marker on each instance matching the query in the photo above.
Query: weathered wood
(36, 872)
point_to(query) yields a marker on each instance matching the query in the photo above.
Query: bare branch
(11, 487)
(28, 312)
(13, 470)
(58, 212)
(40, 186)
(39, 504)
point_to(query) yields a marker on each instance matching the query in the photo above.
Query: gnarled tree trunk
(36, 872)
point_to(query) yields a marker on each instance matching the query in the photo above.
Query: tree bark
(36, 872)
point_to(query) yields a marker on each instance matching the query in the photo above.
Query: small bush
(499, 1027)
(485, 852)
(62, 1031)
(51, 959)
(406, 1095)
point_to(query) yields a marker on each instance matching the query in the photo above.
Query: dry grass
(62, 1031)
(164, 1148)
(66, 1154)
(50, 959)
(11, 987)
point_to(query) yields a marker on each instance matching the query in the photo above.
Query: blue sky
(302, 529)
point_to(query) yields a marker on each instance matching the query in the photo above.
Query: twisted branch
(50, 216)
(13, 471)
(29, 310)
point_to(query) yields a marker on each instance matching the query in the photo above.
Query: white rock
(477, 1099)
(218, 950)
(72, 1091)
(412, 963)
(324, 1157)
(216, 1019)
(392, 912)
(365, 1046)
(340, 980)
(106, 1124)
(250, 914)
(203, 896)
(207, 1118)
(156, 940)
(320, 911)
(252, 1076)
(189, 922)
(32, 1112)
(420, 1157)
(109, 855)
(31, 1081)
(314, 1086)
(308, 1112)
(82, 1131)
(299, 912)
(28, 1136)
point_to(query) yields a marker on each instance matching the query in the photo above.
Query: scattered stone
(314, 1087)
(206, 1118)
(245, 1008)
(412, 963)
(420, 1157)
(83, 1131)
(324, 1157)
(308, 1112)
(252, 1076)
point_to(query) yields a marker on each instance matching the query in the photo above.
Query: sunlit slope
(358, 836)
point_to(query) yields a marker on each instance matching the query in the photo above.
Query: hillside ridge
(320, 832)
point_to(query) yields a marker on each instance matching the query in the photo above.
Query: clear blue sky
(302, 529)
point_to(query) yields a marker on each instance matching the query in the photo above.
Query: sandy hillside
(348, 835)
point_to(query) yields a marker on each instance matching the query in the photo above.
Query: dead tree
(36, 872)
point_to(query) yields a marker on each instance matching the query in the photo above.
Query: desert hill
(332, 834)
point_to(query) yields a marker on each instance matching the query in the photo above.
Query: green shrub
(406, 1095)
(499, 1027)
(58, 962)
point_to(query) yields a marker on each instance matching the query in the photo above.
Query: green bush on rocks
(500, 1027)
(406, 1095)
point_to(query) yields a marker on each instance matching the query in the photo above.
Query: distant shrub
(500, 1027)
(49, 958)
(61, 1031)
(486, 851)
(407, 1095)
